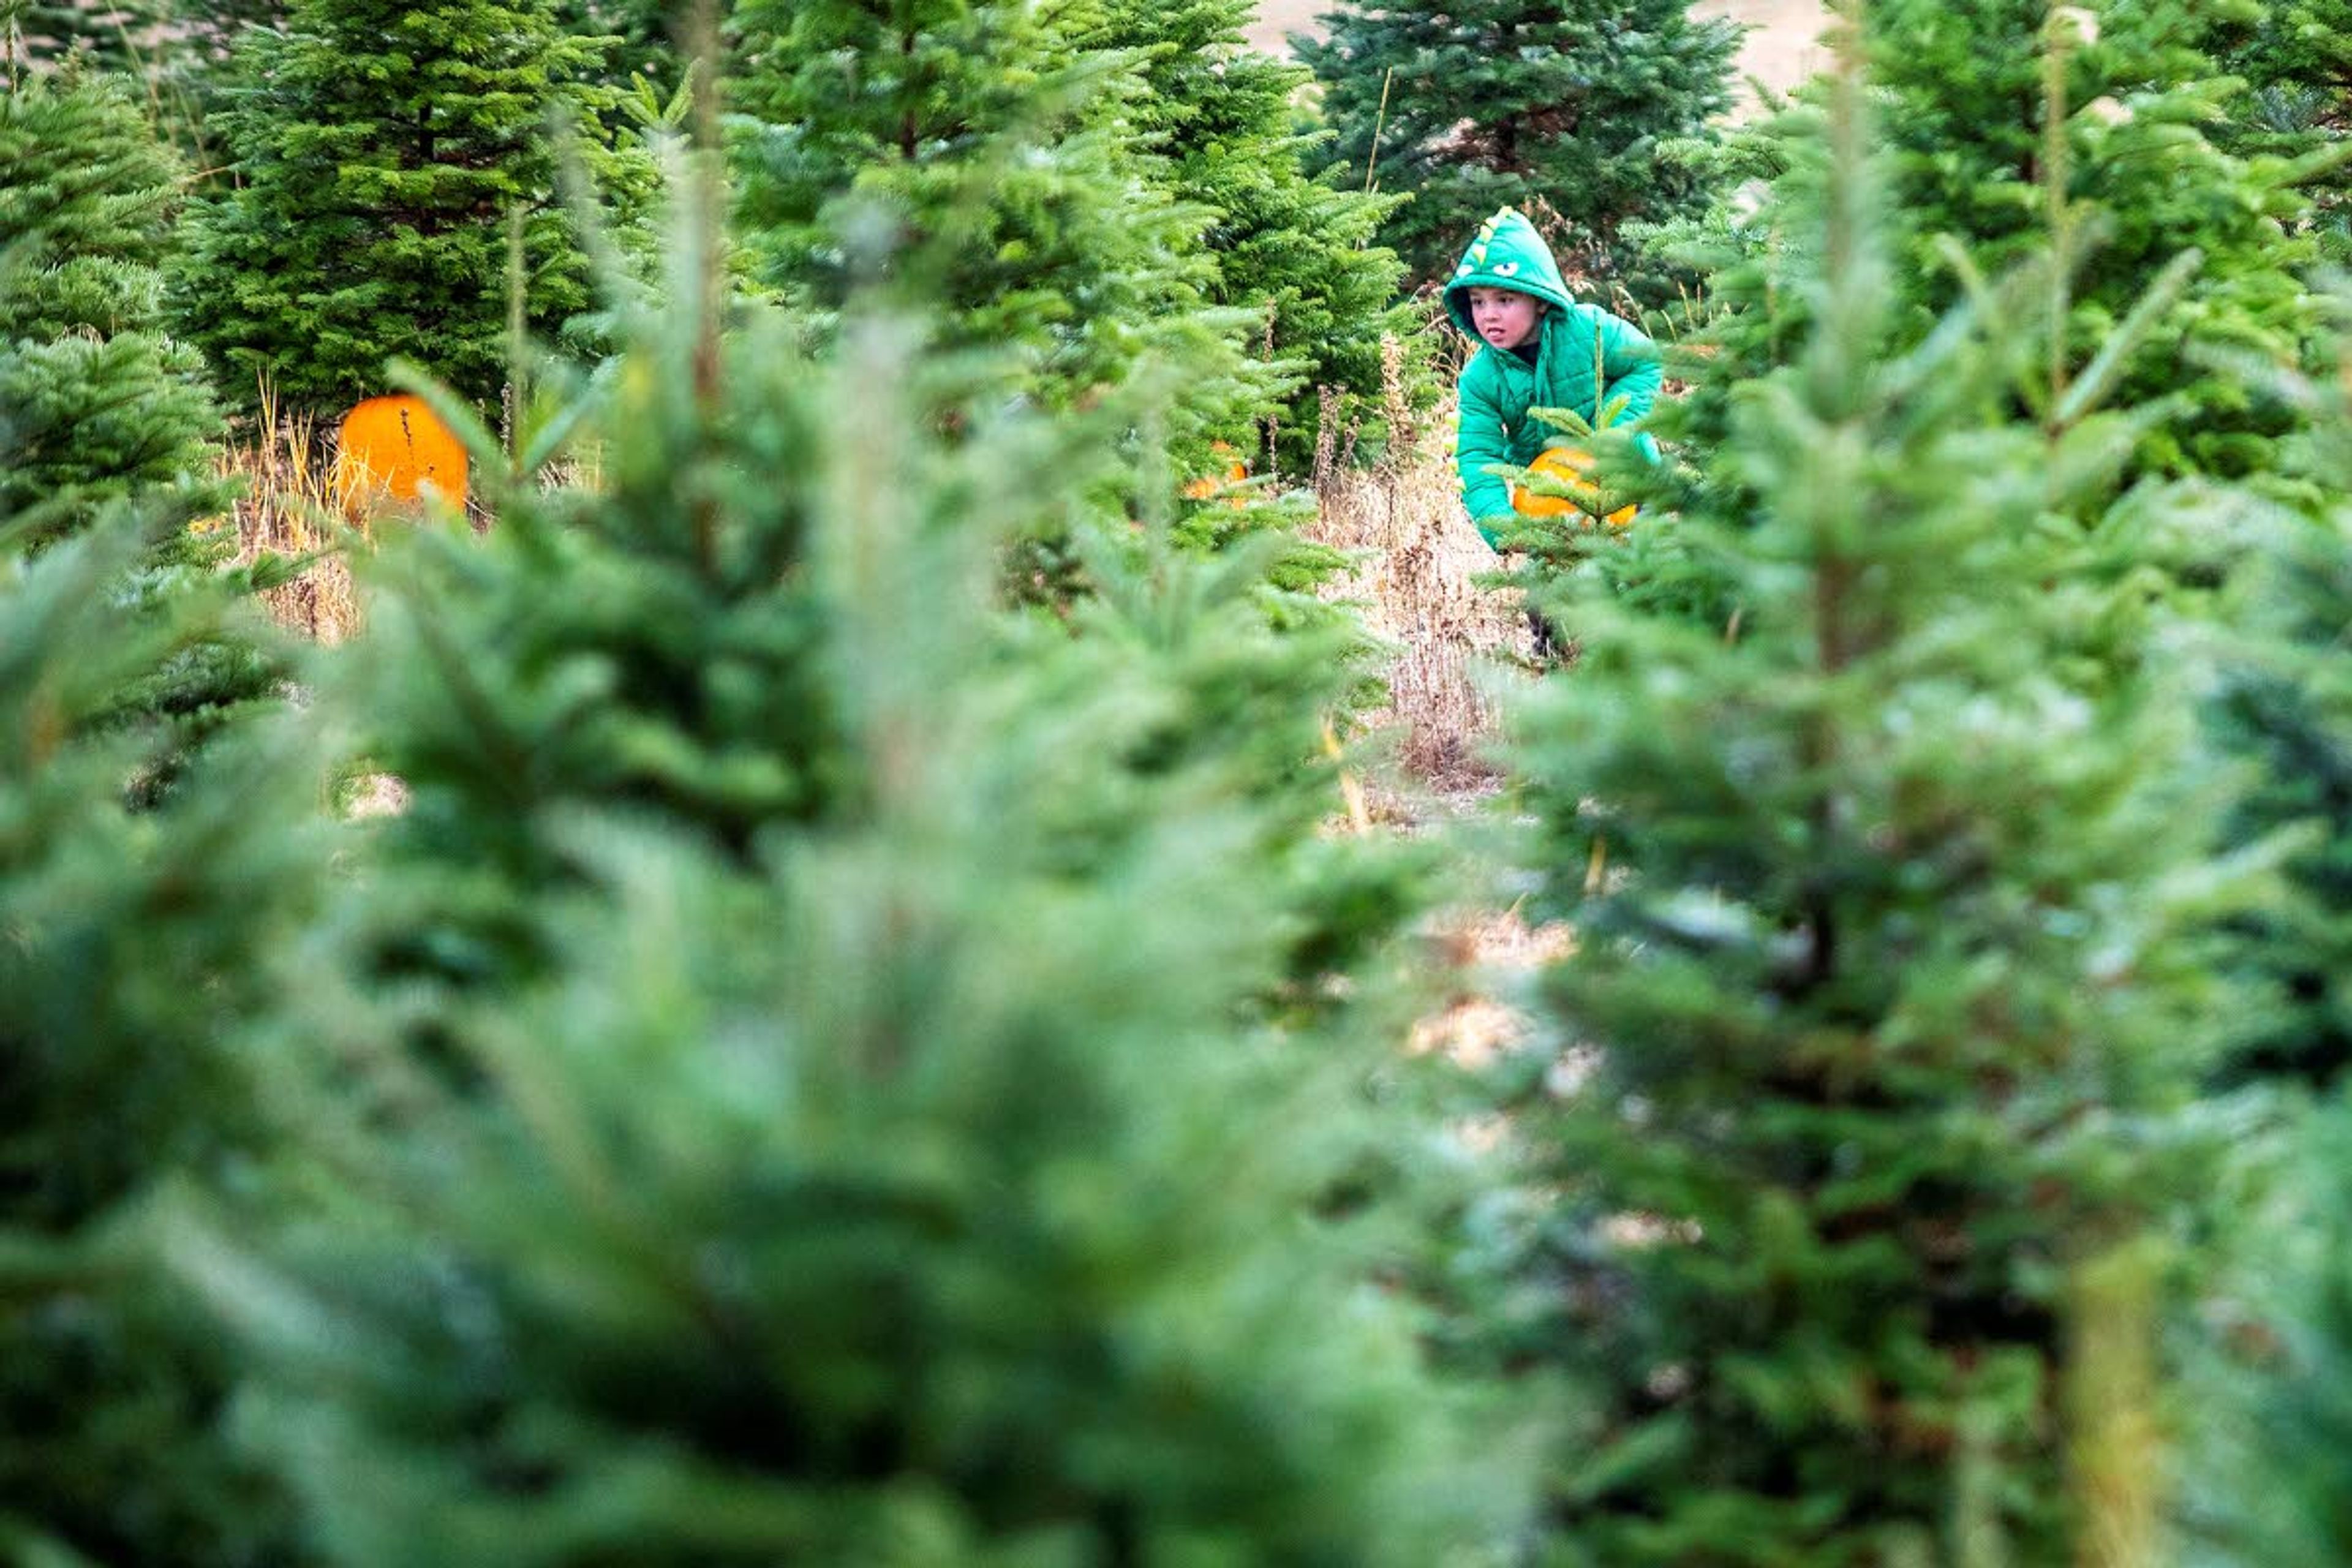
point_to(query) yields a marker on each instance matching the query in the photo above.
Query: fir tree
(680, 672)
(2296, 61)
(97, 402)
(984, 153)
(1888, 988)
(97, 407)
(379, 150)
(1554, 109)
(1294, 253)
(135, 960)
(2070, 138)
(885, 1156)
(646, 43)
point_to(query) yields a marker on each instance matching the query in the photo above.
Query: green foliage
(2074, 140)
(2296, 61)
(1292, 252)
(1890, 995)
(95, 404)
(378, 150)
(1558, 110)
(134, 955)
(660, 643)
(985, 156)
(879, 1209)
(646, 46)
(877, 1147)
(2267, 1484)
(97, 407)
(2282, 702)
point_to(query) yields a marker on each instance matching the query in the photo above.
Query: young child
(1536, 350)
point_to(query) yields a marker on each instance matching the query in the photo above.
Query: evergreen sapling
(1889, 997)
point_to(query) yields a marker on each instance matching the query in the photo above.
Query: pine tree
(97, 407)
(135, 964)
(96, 404)
(1889, 993)
(1292, 252)
(379, 150)
(1558, 110)
(885, 1157)
(2066, 137)
(647, 44)
(2296, 61)
(982, 154)
(108, 35)
(680, 672)
(2267, 1481)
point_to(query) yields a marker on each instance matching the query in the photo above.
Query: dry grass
(1487, 953)
(1418, 560)
(301, 497)
(1457, 643)
(288, 505)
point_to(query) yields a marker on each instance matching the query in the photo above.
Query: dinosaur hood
(1507, 253)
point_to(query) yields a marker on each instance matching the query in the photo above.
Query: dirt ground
(1781, 50)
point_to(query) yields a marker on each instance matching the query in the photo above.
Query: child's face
(1504, 317)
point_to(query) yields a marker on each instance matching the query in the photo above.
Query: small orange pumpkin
(1570, 467)
(1208, 487)
(395, 447)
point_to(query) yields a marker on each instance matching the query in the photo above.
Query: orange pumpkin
(1568, 466)
(395, 447)
(1208, 487)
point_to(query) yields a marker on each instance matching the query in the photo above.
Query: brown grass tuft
(286, 505)
(1417, 559)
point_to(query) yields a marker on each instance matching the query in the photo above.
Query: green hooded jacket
(1497, 387)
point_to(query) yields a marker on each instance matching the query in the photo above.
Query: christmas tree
(2296, 61)
(97, 403)
(1292, 252)
(379, 150)
(885, 1152)
(2072, 139)
(1870, 1069)
(136, 962)
(983, 153)
(1558, 110)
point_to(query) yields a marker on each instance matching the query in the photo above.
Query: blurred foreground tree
(2268, 1474)
(137, 954)
(1889, 995)
(847, 1123)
